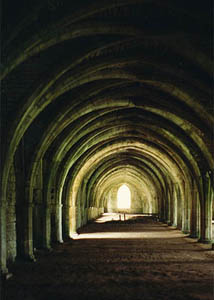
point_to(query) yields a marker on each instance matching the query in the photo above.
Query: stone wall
(139, 201)
(95, 212)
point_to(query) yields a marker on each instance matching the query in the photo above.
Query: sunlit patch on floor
(125, 233)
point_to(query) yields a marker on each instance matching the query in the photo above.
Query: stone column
(47, 226)
(38, 225)
(162, 208)
(198, 223)
(28, 231)
(73, 221)
(206, 210)
(37, 217)
(206, 223)
(24, 218)
(194, 233)
(179, 207)
(172, 205)
(3, 242)
(186, 211)
(169, 207)
(58, 223)
(175, 203)
(66, 220)
(78, 211)
(164, 217)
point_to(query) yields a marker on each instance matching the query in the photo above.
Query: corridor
(112, 259)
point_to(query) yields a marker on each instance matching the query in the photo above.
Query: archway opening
(123, 197)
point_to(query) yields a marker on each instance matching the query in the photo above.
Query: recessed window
(123, 197)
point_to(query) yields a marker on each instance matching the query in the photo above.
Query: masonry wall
(139, 202)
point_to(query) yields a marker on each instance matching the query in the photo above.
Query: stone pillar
(38, 225)
(169, 205)
(162, 208)
(3, 242)
(206, 210)
(164, 215)
(179, 207)
(73, 224)
(186, 211)
(194, 233)
(198, 214)
(66, 220)
(24, 217)
(206, 223)
(175, 203)
(58, 223)
(47, 226)
(78, 211)
(37, 217)
(28, 231)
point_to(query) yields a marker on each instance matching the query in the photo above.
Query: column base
(169, 223)
(8, 276)
(74, 235)
(3, 271)
(161, 220)
(59, 242)
(194, 236)
(31, 258)
(5, 275)
(205, 241)
(185, 231)
(27, 258)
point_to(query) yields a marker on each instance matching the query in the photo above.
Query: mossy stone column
(175, 204)
(37, 217)
(179, 207)
(206, 209)
(73, 224)
(3, 244)
(28, 231)
(24, 214)
(65, 220)
(47, 226)
(186, 210)
(195, 230)
(171, 206)
(58, 223)
(162, 208)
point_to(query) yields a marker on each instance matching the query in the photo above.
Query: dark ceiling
(84, 79)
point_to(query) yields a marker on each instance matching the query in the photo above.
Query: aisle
(110, 259)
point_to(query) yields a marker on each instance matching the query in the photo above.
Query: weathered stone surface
(95, 95)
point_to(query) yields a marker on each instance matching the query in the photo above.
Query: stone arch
(122, 96)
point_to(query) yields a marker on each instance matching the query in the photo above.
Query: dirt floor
(134, 259)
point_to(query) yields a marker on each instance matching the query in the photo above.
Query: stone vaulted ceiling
(107, 92)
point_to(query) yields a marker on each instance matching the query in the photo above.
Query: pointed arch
(123, 197)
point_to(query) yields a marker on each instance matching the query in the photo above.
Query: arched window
(123, 197)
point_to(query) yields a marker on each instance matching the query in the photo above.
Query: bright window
(124, 197)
